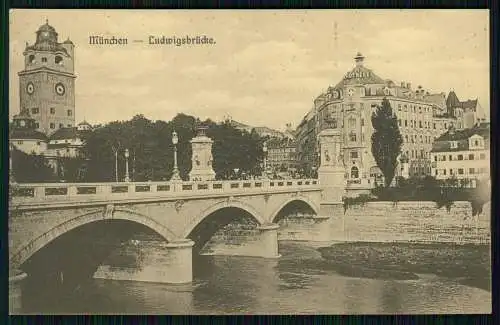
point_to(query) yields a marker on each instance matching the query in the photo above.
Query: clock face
(60, 90)
(30, 88)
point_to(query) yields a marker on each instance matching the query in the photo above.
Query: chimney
(408, 85)
(402, 84)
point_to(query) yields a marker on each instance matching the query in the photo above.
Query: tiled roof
(66, 133)
(27, 134)
(360, 75)
(457, 135)
(469, 104)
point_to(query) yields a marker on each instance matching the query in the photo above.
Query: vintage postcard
(249, 162)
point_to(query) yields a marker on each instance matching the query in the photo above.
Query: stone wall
(411, 221)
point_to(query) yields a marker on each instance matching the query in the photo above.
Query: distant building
(462, 154)
(262, 131)
(422, 117)
(281, 154)
(24, 136)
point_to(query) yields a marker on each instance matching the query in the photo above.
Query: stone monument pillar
(331, 170)
(202, 159)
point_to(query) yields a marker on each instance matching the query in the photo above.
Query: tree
(386, 140)
(31, 168)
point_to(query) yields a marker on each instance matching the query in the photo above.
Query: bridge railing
(69, 191)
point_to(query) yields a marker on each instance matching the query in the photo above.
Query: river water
(292, 284)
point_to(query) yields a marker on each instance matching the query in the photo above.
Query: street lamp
(115, 149)
(175, 174)
(236, 170)
(12, 180)
(127, 176)
(264, 149)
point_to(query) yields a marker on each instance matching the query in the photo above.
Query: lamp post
(12, 179)
(115, 151)
(127, 176)
(264, 149)
(175, 174)
(236, 170)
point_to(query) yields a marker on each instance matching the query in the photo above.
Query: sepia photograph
(236, 162)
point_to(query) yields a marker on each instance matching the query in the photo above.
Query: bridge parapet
(25, 195)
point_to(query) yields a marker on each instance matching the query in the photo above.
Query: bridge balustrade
(73, 191)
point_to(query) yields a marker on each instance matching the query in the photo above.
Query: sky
(266, 67)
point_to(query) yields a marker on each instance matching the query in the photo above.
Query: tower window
(70, 113)
(31, 58)
(34, 110)
(44, 59)
(58, 59)
(52, 126)
(52, 110)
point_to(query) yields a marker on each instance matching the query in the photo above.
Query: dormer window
(31, 59)
(453, 145)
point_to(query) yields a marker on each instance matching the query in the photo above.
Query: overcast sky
(266, 66)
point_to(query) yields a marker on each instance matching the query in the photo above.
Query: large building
(462, 154)
(422, 117)
(47, 82)
(45, 124)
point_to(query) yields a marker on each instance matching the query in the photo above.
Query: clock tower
(47, 83)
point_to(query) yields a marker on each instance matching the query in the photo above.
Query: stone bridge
(40, 213)
(182, 214)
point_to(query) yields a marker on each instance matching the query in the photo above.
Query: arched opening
(58, 59)
(68, 263)
(354, 172)
(294, 209)
(31, 59)
(222, 222)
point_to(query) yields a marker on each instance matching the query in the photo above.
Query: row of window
(414, 139)
(53, 125)
(35, 111)
(471, 156)
(57, 60)
(460, 171)
(412, 108)
(416, 154)
(424, 125)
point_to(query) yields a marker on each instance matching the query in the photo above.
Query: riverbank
(469, 264)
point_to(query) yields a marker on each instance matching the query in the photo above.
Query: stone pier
(311, 228)
(260, 241)
(15, 291)
(153, 261)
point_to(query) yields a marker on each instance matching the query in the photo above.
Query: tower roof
(452, 100)
(46, 40)
(47, 28)
(360, 74)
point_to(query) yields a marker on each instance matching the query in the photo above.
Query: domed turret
(46, 34)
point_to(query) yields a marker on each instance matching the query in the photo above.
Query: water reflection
(298, 283)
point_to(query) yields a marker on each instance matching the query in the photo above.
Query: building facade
(462, 154)
(281, 155)
(422, 117)
(47, 82)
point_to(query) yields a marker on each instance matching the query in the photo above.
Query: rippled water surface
(295, 283)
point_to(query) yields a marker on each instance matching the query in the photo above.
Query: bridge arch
(220, 206)
(23, 254)
(307, 202)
